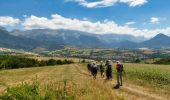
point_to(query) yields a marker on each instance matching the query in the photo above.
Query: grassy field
(57, 58)
(73, 82)
(153, 78)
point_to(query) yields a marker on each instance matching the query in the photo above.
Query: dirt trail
(129, 89)
(144, 93)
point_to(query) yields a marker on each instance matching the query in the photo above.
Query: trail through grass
(72, 81)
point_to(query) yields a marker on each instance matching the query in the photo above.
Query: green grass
(149, 74)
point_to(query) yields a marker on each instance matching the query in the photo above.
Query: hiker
(101, 69)
(89, 67)
(94, 70)
(108, 69)
(119, 68)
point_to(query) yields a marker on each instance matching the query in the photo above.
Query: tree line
(165, 61)
(13, 62)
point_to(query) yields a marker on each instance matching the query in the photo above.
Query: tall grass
(55, 83)
(33, 91)
(154, 75)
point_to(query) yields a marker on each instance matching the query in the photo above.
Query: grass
(67, 82)
(155, 78)
(32, 91)
(57, 58)
(56, 83)
(158, 74)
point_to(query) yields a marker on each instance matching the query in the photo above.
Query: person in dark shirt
(94, 70)
(108, 70)
(101, 66)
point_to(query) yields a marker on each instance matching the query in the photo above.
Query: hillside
(57, 39)
(159, 41)
(91, 40)
(9, 41)
(80, 39)
(16, 42)
(76, 84)
(67, 37)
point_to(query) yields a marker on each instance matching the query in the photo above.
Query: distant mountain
(9, 41)
(159, 41)
(17, 42)
(71, 33)
(67, 37)
(121, 37)
(78, 38)
(2, 28)
(55, 39)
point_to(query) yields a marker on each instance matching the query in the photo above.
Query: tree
(137, 60)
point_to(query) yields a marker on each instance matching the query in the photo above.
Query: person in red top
(119, 68)
(117, 65)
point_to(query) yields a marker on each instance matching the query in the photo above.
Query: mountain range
(54, 39)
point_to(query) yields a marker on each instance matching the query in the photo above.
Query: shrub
(51, 62)
(83, 61)
(165, 61)
(137, 61)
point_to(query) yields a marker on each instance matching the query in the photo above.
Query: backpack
(121, 69)
(109, 67)
(94, 68)
(101, 67)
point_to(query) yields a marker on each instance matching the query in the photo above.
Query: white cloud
(59, 22)
(8, 21)
(107, 3)
(154, 20)
(134, 3)
(130, 23)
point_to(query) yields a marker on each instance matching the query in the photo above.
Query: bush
(83, 61)
(165, 61)
(11, 62)
(137, 61)
(51, 62)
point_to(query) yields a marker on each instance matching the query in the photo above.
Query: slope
(78, 83)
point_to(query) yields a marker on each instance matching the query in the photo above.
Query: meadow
(73, 82)
(154, 78)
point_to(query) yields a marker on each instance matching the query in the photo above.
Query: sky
(134, 17)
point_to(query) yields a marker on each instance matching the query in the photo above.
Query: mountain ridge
(54, 39)
(159, 41)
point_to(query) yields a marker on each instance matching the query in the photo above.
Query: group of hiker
(106, 69)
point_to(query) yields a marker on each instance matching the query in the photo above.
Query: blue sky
(134, 16)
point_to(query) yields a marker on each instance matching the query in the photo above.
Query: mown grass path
(129, 91)
(79, 83)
